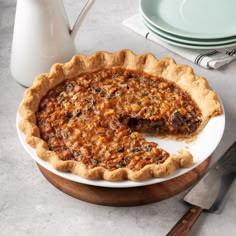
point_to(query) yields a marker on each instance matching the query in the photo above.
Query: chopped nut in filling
(98, 118)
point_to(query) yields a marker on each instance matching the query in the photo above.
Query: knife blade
(209, 192)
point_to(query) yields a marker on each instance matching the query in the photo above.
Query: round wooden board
(126, 196)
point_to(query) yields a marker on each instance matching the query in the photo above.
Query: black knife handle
(183, 226)
(227, 164)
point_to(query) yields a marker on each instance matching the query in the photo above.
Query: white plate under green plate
(199, 19)
(186, 45)
(205, 42)
(201, 149)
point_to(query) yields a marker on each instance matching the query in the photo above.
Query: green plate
(187, 45)
(198, 19)
(204, 42)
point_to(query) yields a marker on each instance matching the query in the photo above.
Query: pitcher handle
(81, 17)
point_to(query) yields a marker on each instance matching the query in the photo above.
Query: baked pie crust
(85, 69)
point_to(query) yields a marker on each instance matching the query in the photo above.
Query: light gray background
(29, 205)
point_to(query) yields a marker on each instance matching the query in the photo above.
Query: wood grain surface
(126, 196)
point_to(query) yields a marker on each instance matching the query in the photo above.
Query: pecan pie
(88, 116)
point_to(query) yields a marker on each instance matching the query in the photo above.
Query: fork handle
(183, 226)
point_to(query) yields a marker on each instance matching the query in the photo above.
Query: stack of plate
(196, 24)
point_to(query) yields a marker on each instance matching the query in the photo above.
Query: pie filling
(98, 118)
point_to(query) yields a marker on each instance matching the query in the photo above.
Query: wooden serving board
(126, 196)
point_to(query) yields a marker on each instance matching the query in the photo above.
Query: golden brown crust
(182, 75)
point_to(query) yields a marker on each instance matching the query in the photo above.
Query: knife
(208, 193)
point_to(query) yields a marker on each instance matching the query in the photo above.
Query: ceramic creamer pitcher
(42, 37)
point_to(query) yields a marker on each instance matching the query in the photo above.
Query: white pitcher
(42, 37)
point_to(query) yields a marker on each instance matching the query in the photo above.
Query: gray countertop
(30, 205)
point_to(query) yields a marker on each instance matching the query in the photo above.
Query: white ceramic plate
(188, 45)
(201, 149)
(192, 18)
(199, 42)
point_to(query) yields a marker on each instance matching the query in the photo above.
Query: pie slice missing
(88, 116)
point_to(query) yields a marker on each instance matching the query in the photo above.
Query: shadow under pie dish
(88, 116)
